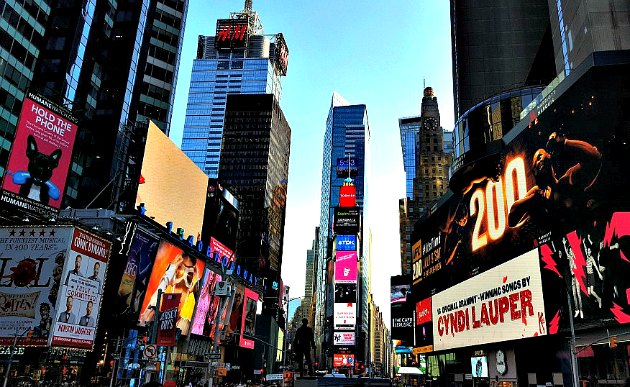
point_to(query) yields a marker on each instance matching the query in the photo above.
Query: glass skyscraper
(217, 73)
(409, 129)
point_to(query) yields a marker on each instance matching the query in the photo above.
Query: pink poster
(40, 156)
(248, 319)
(346, 267)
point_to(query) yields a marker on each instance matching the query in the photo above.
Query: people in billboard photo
(45, 322)
(250, 317)
(77, 268)
(174, 271)
(67, 316)
(558, 191)
(95, 273)
(237, 311)
(87, 320)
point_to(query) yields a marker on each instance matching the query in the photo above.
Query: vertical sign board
(82, 284)
(40, 156)
(346, 267)
(248, 319)
(167, 328)
(31, 265)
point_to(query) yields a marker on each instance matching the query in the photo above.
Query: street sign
(150, 351)
(274, 377)
(213, 355)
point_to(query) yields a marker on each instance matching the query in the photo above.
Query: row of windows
(159, 73)
(22, 26)
(18, 51)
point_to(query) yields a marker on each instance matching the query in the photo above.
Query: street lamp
(6, 375)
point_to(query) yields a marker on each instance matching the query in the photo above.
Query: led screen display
(479, 366)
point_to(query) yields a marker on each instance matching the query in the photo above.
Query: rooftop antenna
(424, 83)
(248, 5)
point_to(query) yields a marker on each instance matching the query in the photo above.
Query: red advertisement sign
(167, 328)
(343, 360)
(347, 196)
(40, 156)
(248, 319)
(423, 311)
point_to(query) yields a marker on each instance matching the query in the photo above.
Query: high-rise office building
(239, 59)
(409, 141)
(498, 46)
(311, 260)
(346, 153)
(258, 171)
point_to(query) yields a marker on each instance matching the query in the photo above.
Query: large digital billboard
(347, 196)
(173, 272)
(424, 326)
(40, 156)
(346, 220)
(231, 33)
(402, 309)
(346, 267)
(248, 323)
(347, 167)
(30, 277)
(344, 339)
(343, 360)
(82, 285)
(346, 242)
(207, 306)
(504, 303)
(221, 214)
(172, 188)
(281, 54)
(345, 318)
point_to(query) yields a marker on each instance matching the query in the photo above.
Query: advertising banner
(347, 167)
(207, 306)
(167, 329)
(173, 272)
(345, 293)
(231, 33)
(343, 360)
(31, 273)
(344, 338)
(40, 156)
(402, 309)
(248, 322)
(346, 242)
(221, 214)
(281, 55)
(346, 220)
(424, 326)
(346, 267)
(504, 303)
(142, 250)
(345, 316)
(83, 280)
(347, 196)
(236, 316)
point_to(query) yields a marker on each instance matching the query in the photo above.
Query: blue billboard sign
(346, 242)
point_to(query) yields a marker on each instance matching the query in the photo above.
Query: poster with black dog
(40, 156)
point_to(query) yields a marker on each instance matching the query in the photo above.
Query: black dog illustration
(40, 169)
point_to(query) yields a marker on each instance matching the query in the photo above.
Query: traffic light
(612, 341)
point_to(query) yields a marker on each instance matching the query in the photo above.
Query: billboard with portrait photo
(82, 285)
(40, 156)
(174, 271)
(248, 319)
(207, 305)
(30, 280)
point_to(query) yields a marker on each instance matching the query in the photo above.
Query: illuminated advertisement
(504, 303)
(345, 293)
(281, 54)
(248, 323)
(346, 267)
(402, 309)
(346, 243)
(172, 188)
(221, 214)
(398, 293)
(142, 250)
(82, 285)
(479, 366)
(343, 360)
(236, 316)
(592, 263)
(167, 328)
(344, 338)
(30, 278)
(173, 272)
(206, 312)
(345, 317)
(231, 33)
(40, 156)
(347, 196)
(346, 220)
(345, 164)
(424, 326)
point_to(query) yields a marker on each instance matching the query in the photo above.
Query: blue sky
(371, 52)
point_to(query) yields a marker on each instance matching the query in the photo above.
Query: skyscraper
(409, 142)
(239, 59)
(346, 152)
(309, 288)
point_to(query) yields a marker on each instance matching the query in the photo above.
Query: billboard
(479, 366)
(424, 325)
(133, 284)
(346, 243)
(345, 293)
(345, 317)
(231, 33)
(236, 315)
(172, 188)
(82, 285)
(207, 306)
(173, 272)
(221, 214)
(343, 360)
(402, 309)
(346, 220)
(281, 54)
(167, 329)
(248, 323)
(347, 167)
(344, 339)
(30, 277)
(347, 196)
(346, 267)
(40, 156)
(399, 293)
(504, 303)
